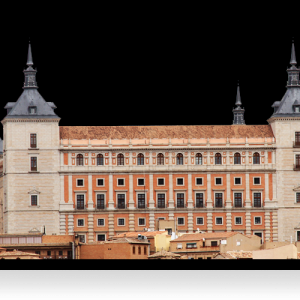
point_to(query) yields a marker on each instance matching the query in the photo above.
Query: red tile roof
(200, 236)
(144, 233)
(170, 131)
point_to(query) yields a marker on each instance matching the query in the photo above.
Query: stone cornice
(17, 120)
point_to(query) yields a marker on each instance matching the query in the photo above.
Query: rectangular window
(100, 182)
(81, 238)
(121, 182)
(141, 181)
(214, 243)
(80, 201)
(142, 222)
(180, 221)
(100, 201)
(238, 220)
(238, 200)
(32, 140)
(121, 200)
(145, 250)
(257, 220)
(200, 221)
(100, 237)
(38, 252)
(297, 160)
(79, 182)
(141, 200)
(297, 197)
(218, 180)
(48, 253)
(161, 200)
(199, 200)
(218, 200)
(33, 163)
(80, 222)
(101, 222)
(191, 245)
(180, 200)
(219, 221)
(33, 200)
(160, 181)
(257, 200)
(179, 181)
(199, 181)
(60, 253)
(256, 180)
(237, 180)
(133, 250)
(121, 222)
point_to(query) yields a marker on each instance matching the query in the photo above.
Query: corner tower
(285, 123)
(30, 160)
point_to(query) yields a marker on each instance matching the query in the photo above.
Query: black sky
(151, 74)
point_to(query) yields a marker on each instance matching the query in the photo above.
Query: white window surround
(183, 221)
(218, 192)
(120, 219)
(161, 184)
(78, 223)
(219, 178)
(259, 180)
(121, 193)
(77, 182)
(261, 199)
(200, 223)
(100, 193)
(199, 192)
(137, 182)
(98, 222)
(83, 235)
(120, 184)
(184, 198)
(177, 181)
(34, 194)
(218, 218)
(237, 183)
(77, 193)
(198, 178)
(142, 219)
(235, 223)
(103, 181)
(260, 222)
(37, 165)
(100, 234)
(295, 153)
(142, 193)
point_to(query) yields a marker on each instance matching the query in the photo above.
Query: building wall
(245, 243)
(283, 252)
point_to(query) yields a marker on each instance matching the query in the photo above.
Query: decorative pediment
(34, 191)
(34, 230)
(297, 227)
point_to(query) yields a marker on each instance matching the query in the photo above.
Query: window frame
(79, 158)
(201, 181)
(80, 219)
(33, 169)
(256, 178)
(235, 223)
(178, 221)
(199, 218)
(77, 182)
(160, 159)
(176, 195)
(117, 200)
(218, 158)
(97, 184)
(218, 192)
(30, 139)
(37, 200)
(137, 200)
(234, 193)
(218, 218)
(118, 221)
(297, 202)
(159, 193)
(104, 200)
(138, 182)
(179, 159)
(98, 234)
(219, 183)
(240, 178)
(99, 158)
(177, 181)
(254, 222)
(84, 200)
(237, 155)
(253, 198)
(140, 158)
(98, 222)
(118, 181)
(139, 219)
(82, 234)
(158, 181)
(198, 156)
(255, 157)
(203, 199)
(120, 159)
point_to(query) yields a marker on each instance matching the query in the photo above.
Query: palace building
(98, 181)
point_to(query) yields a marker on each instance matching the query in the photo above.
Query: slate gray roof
(285, 108)
(276, 104)
(27, 98)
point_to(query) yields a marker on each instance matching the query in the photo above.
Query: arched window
(160, 159)
(179, 160)
(79, 160)
(140, 159)
(198, 159)
(237, 158)
(256, 160)
(99, 160)
(218, 159)
(120, 159)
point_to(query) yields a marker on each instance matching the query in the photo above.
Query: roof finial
(293, 55)
(29, 57)
(238, 96)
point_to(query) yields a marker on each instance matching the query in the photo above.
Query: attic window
(32, 110)
(297, 109)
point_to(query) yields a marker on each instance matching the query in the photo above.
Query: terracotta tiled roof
(164, 253)
(200, 236)
(135, 234)
(224, 255)
(20, 234)
(298, 255)
(128, 240)
(171, 131)
(240, 254)
(18, 253)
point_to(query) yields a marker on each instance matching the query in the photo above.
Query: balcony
(296, 167)
(296, 144)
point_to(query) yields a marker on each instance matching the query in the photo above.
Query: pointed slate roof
(292, 94)
(30, 97)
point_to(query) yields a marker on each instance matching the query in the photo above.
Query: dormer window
(32, 110)
(296, 106)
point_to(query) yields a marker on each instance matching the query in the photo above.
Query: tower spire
(29, 56)
(293, 71)
(30, 73)
(238, 112)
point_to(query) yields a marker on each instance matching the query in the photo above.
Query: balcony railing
(296, 167)
(296, 144)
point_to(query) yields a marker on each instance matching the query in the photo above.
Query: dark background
(150, 73)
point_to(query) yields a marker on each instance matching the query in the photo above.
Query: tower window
(32, 110)
(32, 140)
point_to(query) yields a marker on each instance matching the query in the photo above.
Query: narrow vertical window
(99, 160)
(256, 158)
(120, 159)
(199, 200)
(161, 200)
(198, 159)
(80, 201)
(257, 200)
(237, 158)
(33, 200)
(218, 159)
(32, 140)
(141, 200)
(180, 200)
(160, 159)
(179, 160)
(218, 200)
(140, 159)
(100, 201)
(79, 160)
(33, 163)
(237, 199)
